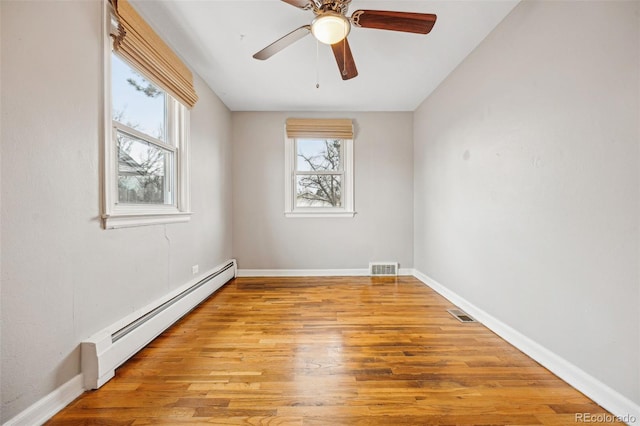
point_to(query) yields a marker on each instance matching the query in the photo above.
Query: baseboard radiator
(105, 351)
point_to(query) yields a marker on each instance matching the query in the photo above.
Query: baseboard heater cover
(105, 351)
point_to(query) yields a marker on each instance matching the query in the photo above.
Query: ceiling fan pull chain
(317, 64)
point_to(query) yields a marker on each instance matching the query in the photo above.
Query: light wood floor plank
(328, 351)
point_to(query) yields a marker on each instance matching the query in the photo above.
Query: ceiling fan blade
(408, 22)
(344, 58)
(283, 42)
(302, 4)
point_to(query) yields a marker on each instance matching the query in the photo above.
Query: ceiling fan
(331, 26)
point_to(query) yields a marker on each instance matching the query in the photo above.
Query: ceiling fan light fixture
(330, 28)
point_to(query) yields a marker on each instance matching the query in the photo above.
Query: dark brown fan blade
(344, 58)
(419, 23)
(283, 42)
(302, 4)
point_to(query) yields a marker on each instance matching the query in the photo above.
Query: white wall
(382, 228)
(63, 277)
(527, 186)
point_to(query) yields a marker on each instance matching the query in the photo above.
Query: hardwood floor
(328, 351)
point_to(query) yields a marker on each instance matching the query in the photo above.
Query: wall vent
(383, 268)
(461, 316)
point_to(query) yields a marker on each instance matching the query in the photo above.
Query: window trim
(115, 215)
(290, 209)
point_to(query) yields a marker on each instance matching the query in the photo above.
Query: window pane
(318, 155)
(318, 191)
(144, 172)
(136, 102)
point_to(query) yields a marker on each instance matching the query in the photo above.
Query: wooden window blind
(136, 41)
(319, 128)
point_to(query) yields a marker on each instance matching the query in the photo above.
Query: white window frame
(114, 214)
(290, 158)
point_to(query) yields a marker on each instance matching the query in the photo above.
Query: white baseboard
(613, 401)
(48, 406)
(311, 272)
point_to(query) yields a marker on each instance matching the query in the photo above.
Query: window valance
(335, 128)
(137, 42)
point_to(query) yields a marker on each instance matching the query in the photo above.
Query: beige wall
(382, 228)
(527, 182)
(63, 277)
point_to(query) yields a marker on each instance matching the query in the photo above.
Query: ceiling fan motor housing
(338, 6)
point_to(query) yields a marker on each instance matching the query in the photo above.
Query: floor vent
(383, 268)
(461, 316)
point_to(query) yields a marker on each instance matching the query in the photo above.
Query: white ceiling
(397, 71)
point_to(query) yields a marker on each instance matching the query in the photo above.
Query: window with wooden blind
(148, 93)
(319, 168)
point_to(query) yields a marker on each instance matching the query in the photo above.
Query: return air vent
(383, 268)
(461, 316)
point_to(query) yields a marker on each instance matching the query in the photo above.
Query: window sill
(320, 214)
(114, 221)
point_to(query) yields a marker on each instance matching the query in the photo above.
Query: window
(146, 156)
(145, 151)
(319, 169)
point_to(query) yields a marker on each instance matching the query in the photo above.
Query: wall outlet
(195, 269)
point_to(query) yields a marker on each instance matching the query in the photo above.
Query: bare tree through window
(319, 173)
(141, 171)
